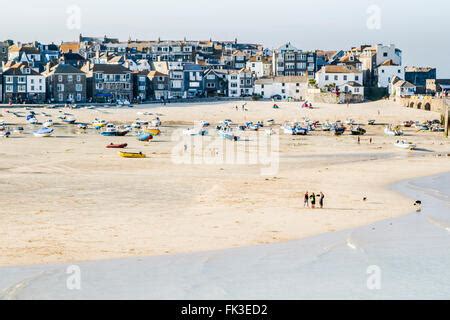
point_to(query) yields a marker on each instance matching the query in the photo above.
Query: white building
(387, 71)
(401, 88)
(240, 83)
(290, 87)
(260, 66)
(338, 76)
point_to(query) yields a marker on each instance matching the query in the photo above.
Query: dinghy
(195, 132)
(392, 131)
(43, 133)
(117, 146)
(145, 137)
(48, 123)
(133, 155)
(153, 132)
(358, 131)
(405, 145)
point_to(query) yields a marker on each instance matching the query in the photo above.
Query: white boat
(228, 135)
(69, 120)
(31, 119)
(156, 122)
(48, 123)
(405, 145)
(43, 133)
(393, 131)
(195, 132)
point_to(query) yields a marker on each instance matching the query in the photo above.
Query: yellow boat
(153, 132)
(136, 155)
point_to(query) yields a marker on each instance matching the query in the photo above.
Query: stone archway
(428, 107)
(411, 105)
(419, 106)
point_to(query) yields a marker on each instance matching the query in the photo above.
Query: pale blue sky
(419, 28)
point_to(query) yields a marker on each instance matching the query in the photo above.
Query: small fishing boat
(82, 126)
(154, 132)
(133, 155)
(156, 122)
(98, 124)
(4, 133)
(112, 131)
(405, 145)
(195, 132)
(358, 131)
(371, 122)
(204, 124)
(389, 131)
(31, 119)
(326, 126)
(69, 120)
(228, 135)
(338, 129)
(43, 133)
(408, 124)
(145, 137)
(117, 146)
(48, 123)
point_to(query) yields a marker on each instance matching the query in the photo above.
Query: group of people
(310, 200)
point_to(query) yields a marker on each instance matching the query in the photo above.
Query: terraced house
(65, 84)
(290, 61)
(22, 84)
(108, 82)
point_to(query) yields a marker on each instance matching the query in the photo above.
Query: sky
(419, 28)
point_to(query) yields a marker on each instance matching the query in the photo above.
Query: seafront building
(137, 71)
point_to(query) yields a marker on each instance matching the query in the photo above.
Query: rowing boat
(134, 155)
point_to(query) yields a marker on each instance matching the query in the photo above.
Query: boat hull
(132, 155)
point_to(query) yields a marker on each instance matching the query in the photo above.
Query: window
(60, 78)
(345, 78)
(327, 78)
(22, 88)
(78, 78)
(9, 88)
(60, 87)
(78, 88)
(356, 78)
(61, 97)
(22, 80)
(385, 54)
(382, 71)
(69, 78)
(9, 80)
(78, 97)
(336, 77)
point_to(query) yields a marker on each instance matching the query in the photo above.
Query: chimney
(47, 68)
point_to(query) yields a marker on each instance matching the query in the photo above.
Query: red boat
(117, 146)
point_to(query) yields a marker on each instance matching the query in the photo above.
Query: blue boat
(144, 137)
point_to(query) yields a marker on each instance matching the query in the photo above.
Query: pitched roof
(388, 63)
(339, 69)
(65, 69)
(110, 68)
(354, 84)
(67, 47)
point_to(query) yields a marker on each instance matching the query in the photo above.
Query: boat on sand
(405, 145)
(117, 146)
(43, 133)
(133, 155)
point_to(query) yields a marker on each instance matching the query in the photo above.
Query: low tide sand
(68, 198)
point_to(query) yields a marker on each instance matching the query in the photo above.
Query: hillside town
(107, 70)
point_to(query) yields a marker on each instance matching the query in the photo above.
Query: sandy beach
(67, 198)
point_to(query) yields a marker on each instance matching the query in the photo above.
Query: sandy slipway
(401, 258)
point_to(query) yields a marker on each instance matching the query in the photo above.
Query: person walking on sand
(306, 201)
(313, 201)
(322, 197)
